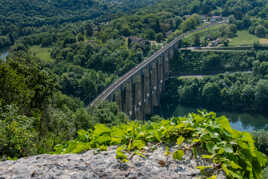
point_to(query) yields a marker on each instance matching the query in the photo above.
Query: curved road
(114, 86)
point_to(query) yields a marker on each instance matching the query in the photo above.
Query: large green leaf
(180, 140)
(138, 144)
(211, 147)
(228, 148)
(178, 154)
(101, 129)
(83, 135)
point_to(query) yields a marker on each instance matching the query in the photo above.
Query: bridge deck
(114, 86)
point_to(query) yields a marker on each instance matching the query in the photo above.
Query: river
(3, 54)
(239, 121)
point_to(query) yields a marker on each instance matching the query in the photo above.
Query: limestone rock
(156, 165)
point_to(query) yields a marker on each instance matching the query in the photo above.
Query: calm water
(239, 121)
(3, 54)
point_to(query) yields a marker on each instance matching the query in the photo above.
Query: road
(219, 49)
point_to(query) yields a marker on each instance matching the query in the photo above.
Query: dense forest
(235, 81)
(62, 54)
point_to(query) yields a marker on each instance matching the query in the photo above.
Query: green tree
(248, 96)
(190, 23)
(211, 63)
(189, 93)
(83, 120)
(260, 31)
(262, 55)
(150, 34)
(261, 95)
(226, 42)
(197, 40)
(13, 87)
(107, 113)
(18, 137)
(80, 37)
(231, 30)
(263, 68)
(211, 94)
(89, 30)
(159, 37)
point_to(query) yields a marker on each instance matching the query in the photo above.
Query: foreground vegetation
(35, 115)
(261, 142)
(232, 151)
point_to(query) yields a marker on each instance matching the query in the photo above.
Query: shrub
(232, 151)
(18, 137)
(261, 140)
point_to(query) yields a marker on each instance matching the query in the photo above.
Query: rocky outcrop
(104, 165)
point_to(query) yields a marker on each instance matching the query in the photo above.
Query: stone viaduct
(137, 93)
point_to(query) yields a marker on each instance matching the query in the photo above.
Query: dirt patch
(264, 41)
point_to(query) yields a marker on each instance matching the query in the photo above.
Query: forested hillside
(235, 81)
(20, 18)
(63, 53)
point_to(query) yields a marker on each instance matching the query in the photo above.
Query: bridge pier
(171, 53)
(129, 99)
(123, 98)
(176, 45)
(160, 74)
(110, 98)
(118, 99)
(151, 87)
(139, 91)
(138, 94)
(142, 117)
(147, 90)
(167, 55)
(155, 84)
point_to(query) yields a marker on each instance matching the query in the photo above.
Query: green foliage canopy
(231, 150)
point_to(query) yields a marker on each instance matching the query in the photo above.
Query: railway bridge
(137, 93)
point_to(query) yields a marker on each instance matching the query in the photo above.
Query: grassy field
(42, 53)
(192, 77)
(205, 31)
(243, 38)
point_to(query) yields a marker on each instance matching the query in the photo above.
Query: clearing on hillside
(42, 53)
(243, 38)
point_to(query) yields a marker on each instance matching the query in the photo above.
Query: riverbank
(241, 121)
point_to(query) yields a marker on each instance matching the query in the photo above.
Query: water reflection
(239, 121)
(3, 55)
